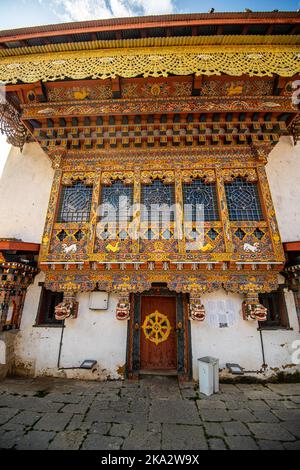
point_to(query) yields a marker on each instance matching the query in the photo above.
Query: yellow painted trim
(235, 60)
(219, 40)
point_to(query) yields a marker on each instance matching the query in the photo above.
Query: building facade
(159, 177)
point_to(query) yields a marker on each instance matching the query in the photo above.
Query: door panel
(158, 338)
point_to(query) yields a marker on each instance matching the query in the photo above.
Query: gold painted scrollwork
(248, 174)
(264, 60)
(108, 177)
(167, 177)
(71, 178)
(208, 176)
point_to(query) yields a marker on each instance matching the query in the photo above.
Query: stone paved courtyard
(154, 413)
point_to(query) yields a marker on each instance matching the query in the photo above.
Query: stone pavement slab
(241, 443)
(27, 418)
(145, 440)
(183, 437)
(6, 414)
(53, 422)
(9, 439)
(174, 411)
(98, 442)
(292, 445)
(67, 440)
(235, 428)
(215, 415)
(120, 430)
(293, 427)
(270, 445)
(271, 432)
(285, 389)
(35, 440)
(216, 444)
(213, 429)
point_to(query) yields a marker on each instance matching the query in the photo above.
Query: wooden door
(158, 347)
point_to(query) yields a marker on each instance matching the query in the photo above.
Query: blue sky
(18, 13)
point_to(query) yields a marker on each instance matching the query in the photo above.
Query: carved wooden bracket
(11, 126)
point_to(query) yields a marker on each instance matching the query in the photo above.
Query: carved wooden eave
(257, 61)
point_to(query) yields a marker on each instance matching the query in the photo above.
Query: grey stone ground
(154, 413)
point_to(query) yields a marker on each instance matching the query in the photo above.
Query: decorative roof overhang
(17, 264)
(265, 60)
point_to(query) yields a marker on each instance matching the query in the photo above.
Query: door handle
(179, 327)
(136, 326)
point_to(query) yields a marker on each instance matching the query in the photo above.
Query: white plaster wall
(241, 343)
(94, 335)
(283, 171)
(25, 188)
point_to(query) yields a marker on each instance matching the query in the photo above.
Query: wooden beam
(159, 23)
(116, 87)
(197, 82)
(12, 245)
(291, 246)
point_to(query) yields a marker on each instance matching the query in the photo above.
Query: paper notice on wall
(221, 313)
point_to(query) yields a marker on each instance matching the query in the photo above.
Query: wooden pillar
(4, 302)
(269, 212)
(94, 213)
(179, 215)
(223, 210)
(51, 213)
(136, 222)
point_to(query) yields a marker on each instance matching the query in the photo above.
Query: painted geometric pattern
(69, 243)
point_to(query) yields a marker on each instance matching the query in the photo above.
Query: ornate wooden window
(119, 196)
(243, 200)
(75, 203)
(157, 194)
(200, 193)
(48, 301)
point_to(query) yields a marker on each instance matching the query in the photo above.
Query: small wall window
(243, 200)
(277, 312)
(75, 203)
(198, 193)
(48, 301)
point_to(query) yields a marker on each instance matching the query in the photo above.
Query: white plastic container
(208, 375)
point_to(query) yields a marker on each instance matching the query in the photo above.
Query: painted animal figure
(69, 249)
(251, 248)
(114, 248)
(207, 247)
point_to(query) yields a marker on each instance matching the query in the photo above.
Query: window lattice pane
(243, 200)
(75, 203)
(120, 197)
(198, 193)
(157, 194)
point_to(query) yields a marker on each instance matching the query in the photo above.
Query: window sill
(47, 325)
(274, 328)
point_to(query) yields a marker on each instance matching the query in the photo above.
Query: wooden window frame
(42, 317)
(278, 296)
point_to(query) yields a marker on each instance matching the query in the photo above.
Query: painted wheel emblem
(156, 327)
